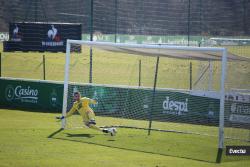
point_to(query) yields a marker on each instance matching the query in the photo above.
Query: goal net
(237, 85)
(147, 89)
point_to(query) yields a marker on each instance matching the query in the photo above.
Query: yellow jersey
(83, 108)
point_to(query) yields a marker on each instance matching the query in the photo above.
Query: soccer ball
(113, 131)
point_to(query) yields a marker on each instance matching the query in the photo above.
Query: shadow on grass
(79, 135)
(77, 138)
(55, 133)
(73, 138)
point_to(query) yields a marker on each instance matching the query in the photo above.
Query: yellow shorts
(89, 118)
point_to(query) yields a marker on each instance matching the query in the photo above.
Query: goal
(153, 89)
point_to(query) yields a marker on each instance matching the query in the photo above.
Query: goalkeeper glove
(60, 117)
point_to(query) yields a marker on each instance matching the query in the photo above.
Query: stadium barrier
(170, 105)
(31, 94)
(147, 39)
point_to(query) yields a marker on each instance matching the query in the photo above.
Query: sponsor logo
(237, 150)
(146, 102)
(53, 98)
(240, 113)
(4, 36)
(52, 43)
(16, 35)
(175, 107)
(24, 94)
(233, 97)
(95, 96)
(210, 114)
(53, 38)
(239, 118)
(9, 93)
(240, 108)
(228, 43)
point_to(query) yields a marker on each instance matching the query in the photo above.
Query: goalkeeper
(81, 104)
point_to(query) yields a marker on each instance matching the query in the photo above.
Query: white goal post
(182, 52)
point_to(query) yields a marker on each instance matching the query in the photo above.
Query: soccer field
(27, 139)
(25, 135)
(124, 83)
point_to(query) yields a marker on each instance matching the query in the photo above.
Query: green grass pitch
(25, 140)
(24, 135)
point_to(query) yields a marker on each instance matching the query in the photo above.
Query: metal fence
(137, 17)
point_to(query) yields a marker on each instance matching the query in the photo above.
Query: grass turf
(24, 135)
(24, 142)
